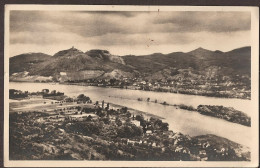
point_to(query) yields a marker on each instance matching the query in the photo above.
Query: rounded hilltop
(69, 52)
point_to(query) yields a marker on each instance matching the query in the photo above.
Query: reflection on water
(191, 123)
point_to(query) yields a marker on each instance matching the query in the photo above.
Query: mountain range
(73, 64)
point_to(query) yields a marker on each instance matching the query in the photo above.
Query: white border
(254, 89)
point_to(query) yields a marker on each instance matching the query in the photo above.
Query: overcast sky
(124, 33)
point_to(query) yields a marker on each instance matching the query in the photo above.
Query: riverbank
(138, 112)
(226, 113)
(217, 94)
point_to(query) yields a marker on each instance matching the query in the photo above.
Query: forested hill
(198, 59)
(105, 65)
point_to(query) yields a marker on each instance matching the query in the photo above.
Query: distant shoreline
(206, 95)
(83, 84)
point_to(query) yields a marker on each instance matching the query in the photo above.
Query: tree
(83, 98)
(140, 99)
(107, 108)
(100, 113)
(112, 81)
(106, 120)
(96, 103)
(103, 104)
(118, 122)
(166, 142)
(165, 126)
(164, 103)
(69, 99)
(124, 109)
(158, 122)
(128, 114)
(152, 119)
(86, 128)
(137, 130)
(89, 118)
(129, 131)
(78, 108)
(143, 123)
(139, 117)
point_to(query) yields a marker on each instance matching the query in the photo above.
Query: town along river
(186, 122)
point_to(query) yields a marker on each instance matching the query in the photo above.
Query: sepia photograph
(131, 85)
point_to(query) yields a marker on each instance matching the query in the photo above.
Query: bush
(139, 117)
(129, 131)
(85, 128)
(83, 98)
(185, 107)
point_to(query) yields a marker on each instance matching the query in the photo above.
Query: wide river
(186, 122)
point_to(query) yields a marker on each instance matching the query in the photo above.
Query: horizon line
(133, 54)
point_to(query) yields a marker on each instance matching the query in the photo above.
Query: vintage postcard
(135, 86)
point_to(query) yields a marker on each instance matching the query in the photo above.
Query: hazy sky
(125, 33)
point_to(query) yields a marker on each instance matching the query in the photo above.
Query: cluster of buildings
(220, 87)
